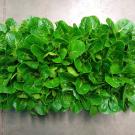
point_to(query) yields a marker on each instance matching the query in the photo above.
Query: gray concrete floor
(12, 123)
(69, 124)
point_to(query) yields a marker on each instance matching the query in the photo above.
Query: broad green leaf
(10, 22)
(53, 72)
(95, 100)
(76, 49)
(52, 83)
(129, 68)
(63, 53)
(115, 68)
(32, 64)
(113, 81)
(82, 67)
(72, 71)
(19, 105)
(57, 60)
(8, 90)
(129, 93)
(11, 68)
(113, 104)
(116, 52)
(23, 96)
(36, 96)
(93, 110)
(38, 52)
(23, 55)
(3, 28)
(56, 105)
(124, 25)
(76, 107)
(82, 87)
(66, 100)
(86, 104)
(66, 77)
(104, 107)
(10, 37)
(40, 109)
(63, 26)
(44, 71)
(92, 78)
(111, 24)
(89, 23)
(97, 46)
(31, 88)
(18, 85)
(46, 25)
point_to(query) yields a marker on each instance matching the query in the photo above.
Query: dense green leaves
(46, 67)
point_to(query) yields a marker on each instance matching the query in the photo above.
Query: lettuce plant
(46, 67)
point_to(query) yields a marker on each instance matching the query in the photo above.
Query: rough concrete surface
(1, 10)
(70, 10)
(67, 123)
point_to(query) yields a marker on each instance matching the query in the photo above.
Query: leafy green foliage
(47, 68)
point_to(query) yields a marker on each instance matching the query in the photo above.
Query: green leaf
(10, 37)
(82, 87)
(56, 105)
(8, 90)
(82, 67)
(111, 24)
(89, 23)
(76, 107)
(104, 107)
(44, 71)
(124, 25)
(129, 68)
(115, 68)
(31, 88)
(32, 64)
(38, 52)
(72, 71)
(23, 55)
(94, 110)
(129, 93)
(11, 68)
(40, 109)
(95, 100)
(63, 53)
(19, 105)
(57, 60)
(76, 49)
(113, 81)
(113, 104)
(52, 83)
(10, 22)
(23, 96)
(66, 100)
(97, 46)
(3, 28)
(46, 25)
